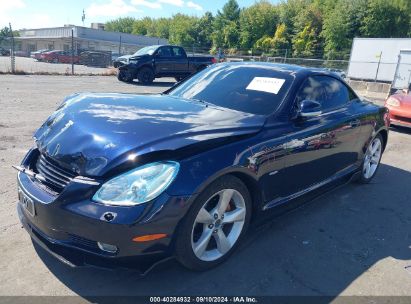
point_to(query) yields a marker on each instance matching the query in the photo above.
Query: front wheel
(372, 159)
(145, 75)
(214, 225)
(124, 75)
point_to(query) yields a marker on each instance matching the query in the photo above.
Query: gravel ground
(353, 241)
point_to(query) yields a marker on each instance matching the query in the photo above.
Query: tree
(336, 33)
(226, 25)
(204, 29)
(123, 25)
(308, 23)
(230, 12)
(257, 21)
(304, 43)
(143, 26)
(386, 19)
(274, 45)
(182, 30)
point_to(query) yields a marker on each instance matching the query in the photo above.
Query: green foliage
(124, 25)
(182, 31)
(306, 28)
(386, 19)
(257, 21)
(336, 28)
(305, 42)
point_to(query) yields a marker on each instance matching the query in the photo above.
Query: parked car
(37, 54)
(161, 61)
(400, 109)
(21, 54)
(115, 178)
(4, 52)
(58, 56)
(95, 58)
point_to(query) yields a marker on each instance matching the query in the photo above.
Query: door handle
(355, 123)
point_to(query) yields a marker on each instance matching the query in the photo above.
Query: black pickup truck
(161, 61)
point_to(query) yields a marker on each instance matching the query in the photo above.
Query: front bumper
(69, 225)
(73, 257)
(400, 117)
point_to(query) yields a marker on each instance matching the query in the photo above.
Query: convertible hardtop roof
(295, 70)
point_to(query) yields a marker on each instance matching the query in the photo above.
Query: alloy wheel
(372, 158)
(218, 225)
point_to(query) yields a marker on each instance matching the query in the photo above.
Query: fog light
(107, 247)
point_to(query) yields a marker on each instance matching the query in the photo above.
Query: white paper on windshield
(266, 84)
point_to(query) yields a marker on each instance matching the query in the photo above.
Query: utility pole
(72, 51)
(12, 57)
(285, 55)
(378, 66)
(119, 48)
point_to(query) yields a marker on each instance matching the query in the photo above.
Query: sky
(50, 13)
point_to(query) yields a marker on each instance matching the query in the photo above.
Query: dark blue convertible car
(118, 179)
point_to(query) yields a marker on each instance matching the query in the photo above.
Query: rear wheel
(372, 159)
(215, 224)
(145, 75)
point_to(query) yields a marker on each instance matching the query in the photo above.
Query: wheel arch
(384, 135)
(246, 178)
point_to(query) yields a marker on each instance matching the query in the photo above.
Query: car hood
(93, 133)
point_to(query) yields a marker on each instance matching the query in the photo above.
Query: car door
(180, 60)
(163, 61)
(318, 148)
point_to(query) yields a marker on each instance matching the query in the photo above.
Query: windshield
(250, 88)
(146, 50)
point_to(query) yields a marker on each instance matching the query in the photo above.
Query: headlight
(137, 186)
(393, 102)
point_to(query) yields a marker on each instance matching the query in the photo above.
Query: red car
(59, 57)
(400, 109)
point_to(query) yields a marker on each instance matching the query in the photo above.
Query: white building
(60, 38)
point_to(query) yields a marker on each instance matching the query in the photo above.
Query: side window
(164, 52)
(177, 52)
(328, 91)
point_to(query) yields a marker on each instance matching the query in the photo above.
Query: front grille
(82, 242)
(56, 177)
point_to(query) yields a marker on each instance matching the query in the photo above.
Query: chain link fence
(95, 61)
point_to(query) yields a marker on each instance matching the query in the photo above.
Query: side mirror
(310, 108)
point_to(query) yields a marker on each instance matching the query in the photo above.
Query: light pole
(72, 51)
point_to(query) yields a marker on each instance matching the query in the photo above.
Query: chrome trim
(310, 114)
(85, 180)
(48, 167)
(55, 179)
(27, 192)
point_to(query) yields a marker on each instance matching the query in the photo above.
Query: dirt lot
(353, 241)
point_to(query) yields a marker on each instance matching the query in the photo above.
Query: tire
(221, 231)
(371, 161)
(55, 60)
(125, 76)
(145, 75)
